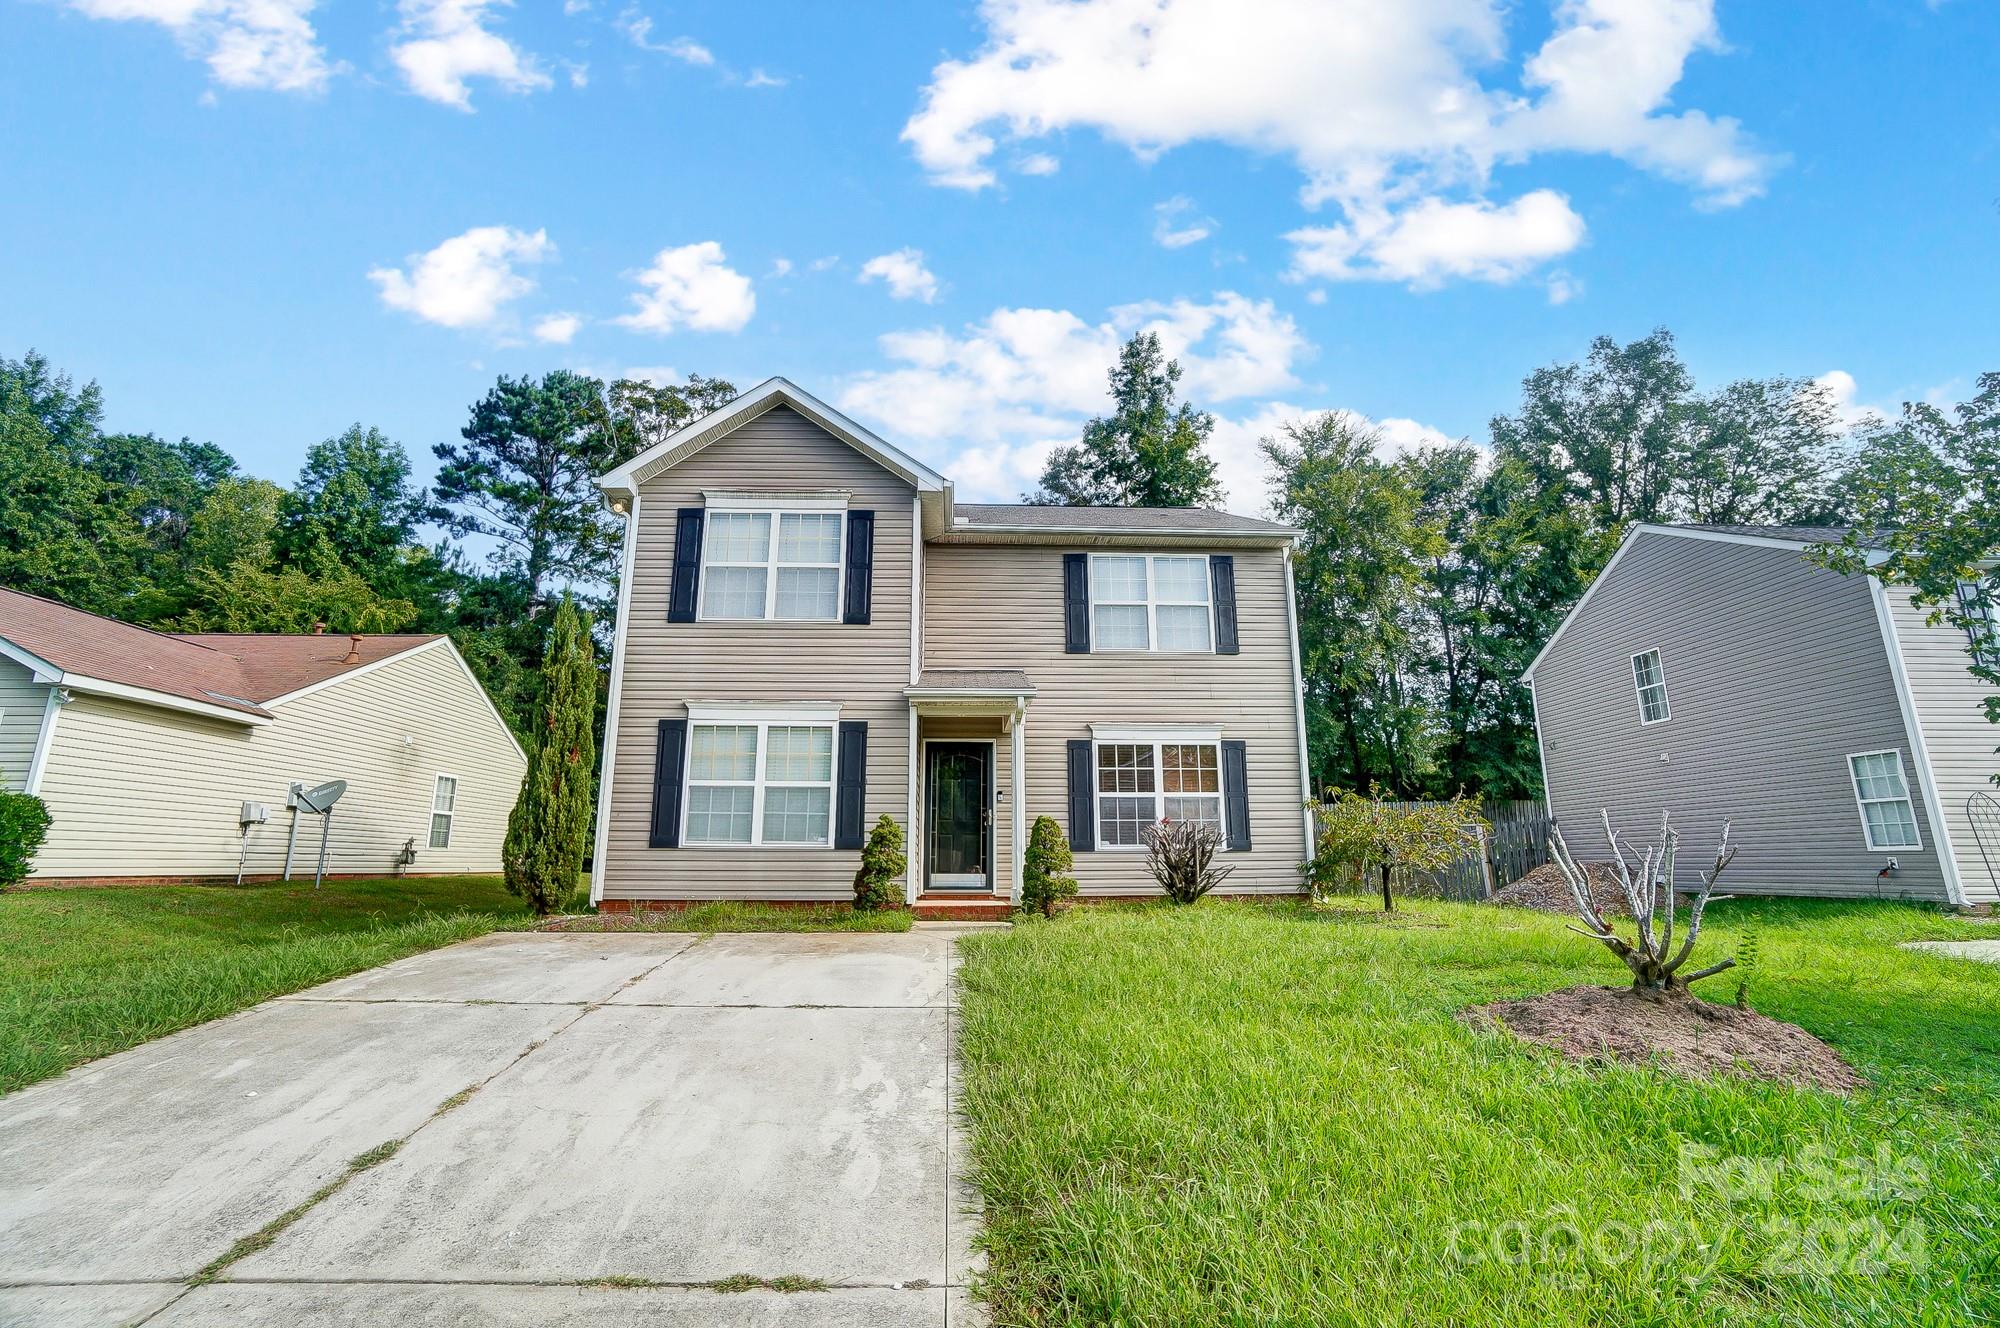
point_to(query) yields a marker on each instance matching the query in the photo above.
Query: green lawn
(84, 973)
(1238, 1114)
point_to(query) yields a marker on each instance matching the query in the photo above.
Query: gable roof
(1769, 537)
(1026, 518)
(224, 675)
(690, 438)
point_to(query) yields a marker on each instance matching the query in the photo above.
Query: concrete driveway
(526, 1129)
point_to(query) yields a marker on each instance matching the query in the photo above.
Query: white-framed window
(444, 804)
(1650, 680)
(759, 778)
(1144, 779)
(1888, 817)
(774, 564)
(1150, 601)
(1982, 621)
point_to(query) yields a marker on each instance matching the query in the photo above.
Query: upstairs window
(1651, 681)
(1150, 602)
(444, 802)
(1982, 622)
(772, 565)
(1888, 820)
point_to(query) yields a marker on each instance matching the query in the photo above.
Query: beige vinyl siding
(1951, 710)
(139, 790)
(1775, 672)
(22, 701)
(1000, 606)
(980, 728)
(863, 668)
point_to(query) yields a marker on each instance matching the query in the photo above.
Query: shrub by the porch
(24, 823)
(882, 863)
(1045, 877)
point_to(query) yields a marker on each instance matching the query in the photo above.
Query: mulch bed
(1545, 889)
(1678, 1032)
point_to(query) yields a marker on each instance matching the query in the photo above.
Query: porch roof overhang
(970, 692)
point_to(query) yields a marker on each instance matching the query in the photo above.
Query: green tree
(522, 478)
(1149, 452)
(1045, 865)
(550, 825)
(644, 413)
(58, 543)
(1926, 494)
(882, 862)
(1358, 569)
(354, 493)
(1353, 834)
(249, 596)
(1762, 451)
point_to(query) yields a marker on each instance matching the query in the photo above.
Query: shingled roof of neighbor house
(1138, 519)
(239, 672)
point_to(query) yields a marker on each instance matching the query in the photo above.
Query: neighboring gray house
(813, 633)
(1714, 671)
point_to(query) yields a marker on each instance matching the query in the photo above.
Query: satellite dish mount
(316, 801)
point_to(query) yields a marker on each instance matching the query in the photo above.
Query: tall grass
(1235, 1114)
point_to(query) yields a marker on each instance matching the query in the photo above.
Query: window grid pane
(733, 592)
(799, 754)
(724, 751)
(1122, 627)
(1125, 768)
(808, 593)
(720, 814)
(445, 794)
(440, 830)
(1118, 579)
(809, 537)
(1206, 810)
(1182, 627)
(1180, 580)
(1121, 819)
(796, 815)
(738, 537)
(1190, 768)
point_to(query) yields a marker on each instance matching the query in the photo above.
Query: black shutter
(668, 761)
(687, 566)
(1076, 604)
(1222, 579)
(1235, 795)
(1082, 800)
(852, 788)
(860, 567)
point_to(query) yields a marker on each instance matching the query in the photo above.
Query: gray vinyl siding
(140, 790)
(864, 668)
(1775, 672)
(1951, 710)
(992, 606)
(22, 701)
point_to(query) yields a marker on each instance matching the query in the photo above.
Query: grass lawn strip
(1241, 1114)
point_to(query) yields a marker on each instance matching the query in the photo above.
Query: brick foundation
(250, 878)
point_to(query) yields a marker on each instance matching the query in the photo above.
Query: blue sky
(256, 221)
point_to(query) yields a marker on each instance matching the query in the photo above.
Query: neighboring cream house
(812, 633)
(1717, 672)
(147, 746)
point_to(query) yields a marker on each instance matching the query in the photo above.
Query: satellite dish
(322, 798)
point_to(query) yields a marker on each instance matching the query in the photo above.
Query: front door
(959, 851)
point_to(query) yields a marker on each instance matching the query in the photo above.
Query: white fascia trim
(625, 479)
(76, 682)
(1156, 732)
(1541, 748)
(763, 712)
(44, 671)
(607, 761)
(969, 693)
(1306, 798)
(1954, 887)
(916, 588)
(38, 763)
(354, 672)
(1679, 532)
(768, 500)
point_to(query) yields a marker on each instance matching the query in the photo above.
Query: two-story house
(812, 633)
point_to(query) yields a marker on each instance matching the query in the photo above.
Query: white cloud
(781, 267)
(263, 44)
(1382, 108)
(468, 280)
(904, 273)
(1848, 408)
(1431, 241)
(1229, 348)
(659, 375)
(824, 264)
(1405, 437)
(1563, 287)
(445, 43)
(1037, 163)
(1177, 224)
(557, 329)
(691, 287)
(761, 79)
(638, 30)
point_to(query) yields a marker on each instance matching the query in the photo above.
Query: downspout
(1298, 702)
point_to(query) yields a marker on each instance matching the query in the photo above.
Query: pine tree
(551, 820)
(882, 861)
(1149, 452)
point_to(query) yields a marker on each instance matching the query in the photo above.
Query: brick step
(931, 907)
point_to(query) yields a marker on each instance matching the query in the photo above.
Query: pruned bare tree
(1181, 856)
(1654, 962)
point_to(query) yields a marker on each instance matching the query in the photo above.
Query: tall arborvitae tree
(550, 825)
(1149, 452)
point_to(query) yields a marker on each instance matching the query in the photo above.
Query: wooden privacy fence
(1516, 845)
